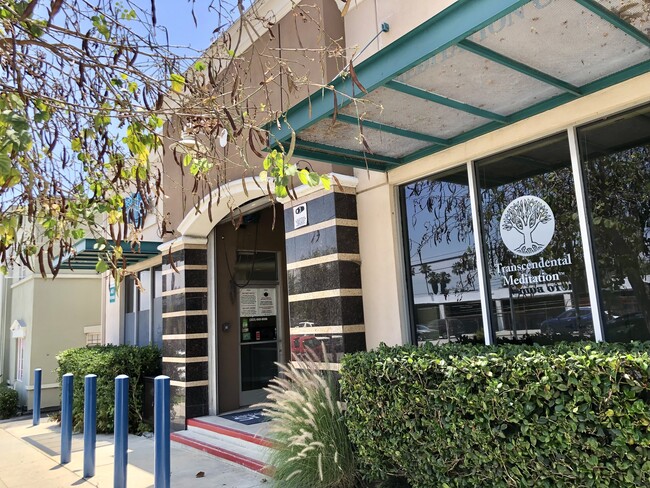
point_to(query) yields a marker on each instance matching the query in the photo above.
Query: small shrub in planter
(564, 415)
(8, 402)
(107, 362)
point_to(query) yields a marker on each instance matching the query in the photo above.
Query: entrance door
(251, 303)
(258, 341)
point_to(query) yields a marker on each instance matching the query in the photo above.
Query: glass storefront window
(616, 160)
(145, 290)
(157, 306)
(129, 294)
(532, 243)
(441, 259)
(256, 266)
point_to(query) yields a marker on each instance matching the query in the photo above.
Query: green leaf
(313, 178)
(325, 180)
(199, 66)
(5, 164)
(101, 266)
(76, 144)
(303, 175)
(178, 82)
(267, 163)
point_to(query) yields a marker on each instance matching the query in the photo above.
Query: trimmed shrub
(107, 362)
(8, 402)
(460, 415)
(312, 447)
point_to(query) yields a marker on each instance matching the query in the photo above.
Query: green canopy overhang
(86, 254)
(475, 67)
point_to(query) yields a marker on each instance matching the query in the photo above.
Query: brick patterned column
(323, 272)
(185, 327)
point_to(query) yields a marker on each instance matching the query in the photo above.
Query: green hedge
(107, 362)
(568, 415)
(8, 402)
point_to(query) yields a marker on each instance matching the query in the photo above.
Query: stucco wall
(290, 35)
(22, 309)
(365, 17)
(61, 309)
(381, 277)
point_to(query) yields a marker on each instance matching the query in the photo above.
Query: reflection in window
(144, 303)
(256, 266)
(441, 259)
(616, 158)
(532, 239)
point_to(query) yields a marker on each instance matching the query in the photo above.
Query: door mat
(249, 417)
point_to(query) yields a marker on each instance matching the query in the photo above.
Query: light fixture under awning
(85, 254)
(475, 67)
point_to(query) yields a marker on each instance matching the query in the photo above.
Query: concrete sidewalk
(31, 455)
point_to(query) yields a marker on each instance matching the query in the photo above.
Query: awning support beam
(348, 119)
(455, 23)
(615, 20)
(338, 159)
(520, 67)
(447, 102)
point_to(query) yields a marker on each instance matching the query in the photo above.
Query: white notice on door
(248, 302)
(267, 302)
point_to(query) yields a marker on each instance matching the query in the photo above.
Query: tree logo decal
(527, 225)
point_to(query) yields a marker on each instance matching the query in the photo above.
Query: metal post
(121, 430)
(66, 418)
(90, 424)
(162, 469)
(36, 415)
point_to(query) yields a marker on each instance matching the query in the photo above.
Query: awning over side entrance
(475, 67)
(86, 253)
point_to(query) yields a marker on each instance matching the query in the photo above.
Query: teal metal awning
(86, 253)
(475, 67)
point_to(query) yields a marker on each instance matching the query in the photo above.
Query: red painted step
(237, 434)
(217, 437)
(236, 458)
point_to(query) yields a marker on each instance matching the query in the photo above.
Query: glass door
(259, 337)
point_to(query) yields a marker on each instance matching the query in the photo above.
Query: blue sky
(176, 17)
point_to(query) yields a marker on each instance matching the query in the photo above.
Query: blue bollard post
(162, 469)
(121, 430)
(66, 418)
(90, 424)
(36, 415)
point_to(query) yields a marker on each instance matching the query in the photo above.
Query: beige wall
(111, 327)
(383, 271)
(22, 309)
(55, 313)
(365, 17)
(383, 297)
(289, 34)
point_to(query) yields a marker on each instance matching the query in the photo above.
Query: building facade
(40, 318)
(493, 188)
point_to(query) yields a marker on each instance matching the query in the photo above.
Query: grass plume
(312, 444)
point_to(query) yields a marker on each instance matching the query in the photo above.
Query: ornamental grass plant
(312, 444)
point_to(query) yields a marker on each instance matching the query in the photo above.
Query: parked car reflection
(443, 330)
(572, 321)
